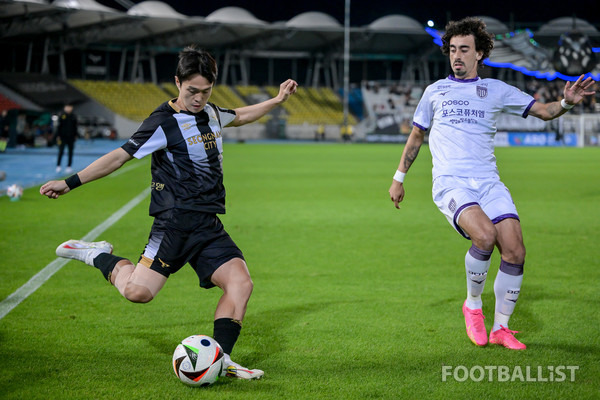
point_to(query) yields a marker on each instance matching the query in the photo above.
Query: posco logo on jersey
(455, 103)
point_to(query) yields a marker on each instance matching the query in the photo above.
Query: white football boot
(83, 251)
(235, 370)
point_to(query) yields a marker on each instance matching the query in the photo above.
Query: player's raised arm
(572, 95)
(103, 166)
(409, 154)
(245, 115)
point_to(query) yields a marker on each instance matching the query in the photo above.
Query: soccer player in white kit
(461, 113)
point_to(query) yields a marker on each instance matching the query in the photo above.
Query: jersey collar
(174, 106)
(455, 79)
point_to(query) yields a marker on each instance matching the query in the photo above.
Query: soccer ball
(198, 360)
(14, 192)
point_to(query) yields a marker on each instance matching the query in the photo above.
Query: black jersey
(186, 157)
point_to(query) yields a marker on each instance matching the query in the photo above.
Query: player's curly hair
(484, 41)
(193, 61)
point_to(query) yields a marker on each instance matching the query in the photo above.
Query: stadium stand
(313, 106)
(8, 104)
(94, 47)
(132, 100)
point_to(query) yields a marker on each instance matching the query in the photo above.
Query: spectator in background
(66, 132)
(24, 131)
(346, 131)
(4, 124)
(320, 132)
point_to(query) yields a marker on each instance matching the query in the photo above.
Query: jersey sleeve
(424, 112)
(150, 137)
(225, 115)
(517, 102)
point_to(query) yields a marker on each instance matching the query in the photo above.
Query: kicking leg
(138, 285)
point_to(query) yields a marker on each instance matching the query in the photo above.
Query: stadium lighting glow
(550, 76)
(437, 39)
(430, 23)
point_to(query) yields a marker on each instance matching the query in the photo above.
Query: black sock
(106, 263)
(226, 333)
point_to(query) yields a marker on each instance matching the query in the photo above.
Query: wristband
(399, 176)
(73, 181)
(566, 106)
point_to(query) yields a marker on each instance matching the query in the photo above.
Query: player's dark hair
(484, 41)
(193, 61)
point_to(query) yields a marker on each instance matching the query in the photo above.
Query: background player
(184, 137)
(461, 112)
(67, 133)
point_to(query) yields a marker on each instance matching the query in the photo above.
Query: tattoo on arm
(410, 156)
(556, 110)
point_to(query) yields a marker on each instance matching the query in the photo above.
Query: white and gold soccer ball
(198, 360)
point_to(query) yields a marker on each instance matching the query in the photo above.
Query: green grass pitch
(353, 299)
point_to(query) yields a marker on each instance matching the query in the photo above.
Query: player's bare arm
(409, 155)
(248, 114)
(103, 166)
(572, 95)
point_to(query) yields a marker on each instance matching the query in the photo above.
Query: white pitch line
(41, 277)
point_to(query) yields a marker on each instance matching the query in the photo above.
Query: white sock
(477, 264)
(500, 320)
(506, 288)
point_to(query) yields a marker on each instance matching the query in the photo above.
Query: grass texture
(353, 299)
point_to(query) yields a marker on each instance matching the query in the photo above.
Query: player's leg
(457, 198)
(507, 285)
(476, 224)
(219, 262)
(61, 151)
(138, 285)
(70, 149)
(234, 279)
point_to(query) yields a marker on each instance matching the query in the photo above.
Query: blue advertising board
(534, 139)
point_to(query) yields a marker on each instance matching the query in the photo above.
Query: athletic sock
(506, 288)
(477, 264)
(226, 333)
(106, 262)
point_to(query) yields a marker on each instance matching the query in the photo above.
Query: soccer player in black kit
(67, 133)
(184, 137)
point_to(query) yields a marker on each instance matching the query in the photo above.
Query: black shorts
(181, 236)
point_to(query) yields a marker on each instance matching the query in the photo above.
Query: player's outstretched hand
(53, 189)
(573, 94)
(286, 89)
(396, 193)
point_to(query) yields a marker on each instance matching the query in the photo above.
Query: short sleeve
(516, 102)
(424, 112)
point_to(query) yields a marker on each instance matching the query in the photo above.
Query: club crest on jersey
(452, 205)
(482, 91)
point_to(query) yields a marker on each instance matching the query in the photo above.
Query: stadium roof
(153, 27)
(84, 23)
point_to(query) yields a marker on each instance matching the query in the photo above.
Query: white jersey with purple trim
(462, 115)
